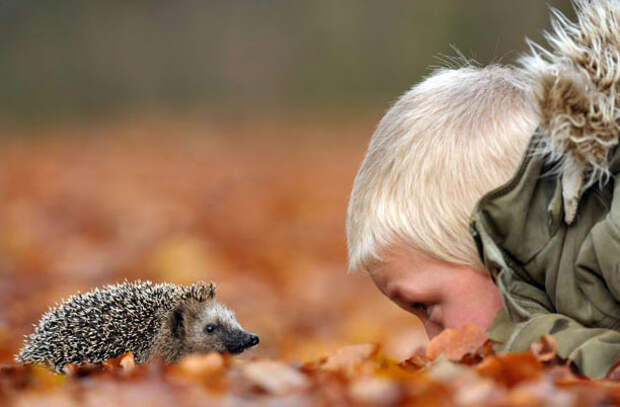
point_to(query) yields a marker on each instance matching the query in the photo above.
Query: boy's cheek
(480, 311)
(470, 298)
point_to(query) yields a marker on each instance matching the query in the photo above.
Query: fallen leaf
(487, 348)
(546, 349)
(415, 362)
(128, 364)
(540, 393)
(374, 390)
(478, 393)
(614, 370)
(446, 371)
(199, 365)
(349, 358)
(405, 344)
(123, 363)
(275, 377)
(511, 368)
(456, 343)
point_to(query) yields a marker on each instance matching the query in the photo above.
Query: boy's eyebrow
(397, 291)
(421, 290)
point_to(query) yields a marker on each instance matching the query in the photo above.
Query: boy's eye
(209, 328)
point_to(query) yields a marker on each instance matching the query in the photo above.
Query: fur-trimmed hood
(577, 86)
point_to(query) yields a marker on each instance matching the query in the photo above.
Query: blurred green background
(67, 59)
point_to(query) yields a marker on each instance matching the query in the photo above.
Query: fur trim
(577, 85)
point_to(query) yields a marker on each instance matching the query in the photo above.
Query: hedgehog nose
(253, 340)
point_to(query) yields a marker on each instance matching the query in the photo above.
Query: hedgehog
(152, 321)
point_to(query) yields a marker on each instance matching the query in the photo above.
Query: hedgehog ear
(176, 322)
(202, 291)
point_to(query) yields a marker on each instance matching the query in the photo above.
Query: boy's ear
(176, 322)
(201, 291)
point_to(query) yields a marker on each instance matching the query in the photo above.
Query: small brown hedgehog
(153, 321)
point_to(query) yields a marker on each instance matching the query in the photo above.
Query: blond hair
(444, 143)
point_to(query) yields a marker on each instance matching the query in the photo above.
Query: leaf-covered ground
(258, 208)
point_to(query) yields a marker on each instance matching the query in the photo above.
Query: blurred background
(215, 140)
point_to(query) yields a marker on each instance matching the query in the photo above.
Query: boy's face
(441, 294)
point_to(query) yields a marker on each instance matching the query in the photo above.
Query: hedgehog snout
(241, 341)
(250, 340)
(253, 340)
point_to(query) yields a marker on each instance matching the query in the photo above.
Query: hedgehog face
(210, 326)
(216, 328)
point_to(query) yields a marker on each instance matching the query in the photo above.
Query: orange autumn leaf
(510, 369)
(456, 343)
(275, 377)
(124, 363)
(374, 390)
(350, 358)
(199, 365)
(417, 361)
(546, 349)
(614, 370)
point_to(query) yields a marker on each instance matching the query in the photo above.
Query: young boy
(542, 247)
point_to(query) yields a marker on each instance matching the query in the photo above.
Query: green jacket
(550, 237)
(555, 278)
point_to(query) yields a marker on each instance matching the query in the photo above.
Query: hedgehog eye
(209, 328)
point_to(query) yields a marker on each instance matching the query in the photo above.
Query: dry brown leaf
(510, 369)
(373, 390)
(415, 362)
(487, 348)
(479, 393)
(614, 370)
(32, 399)
(546, 349)
(456, 343)
(405, 344)
(349, 358)
(199, 365)
(127, 363)
(275, 377)
(540, 393)
(124, 363)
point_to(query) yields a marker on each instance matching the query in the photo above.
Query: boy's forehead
(396, 260)
(396, 264)
(403, 279)
(411, 268)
